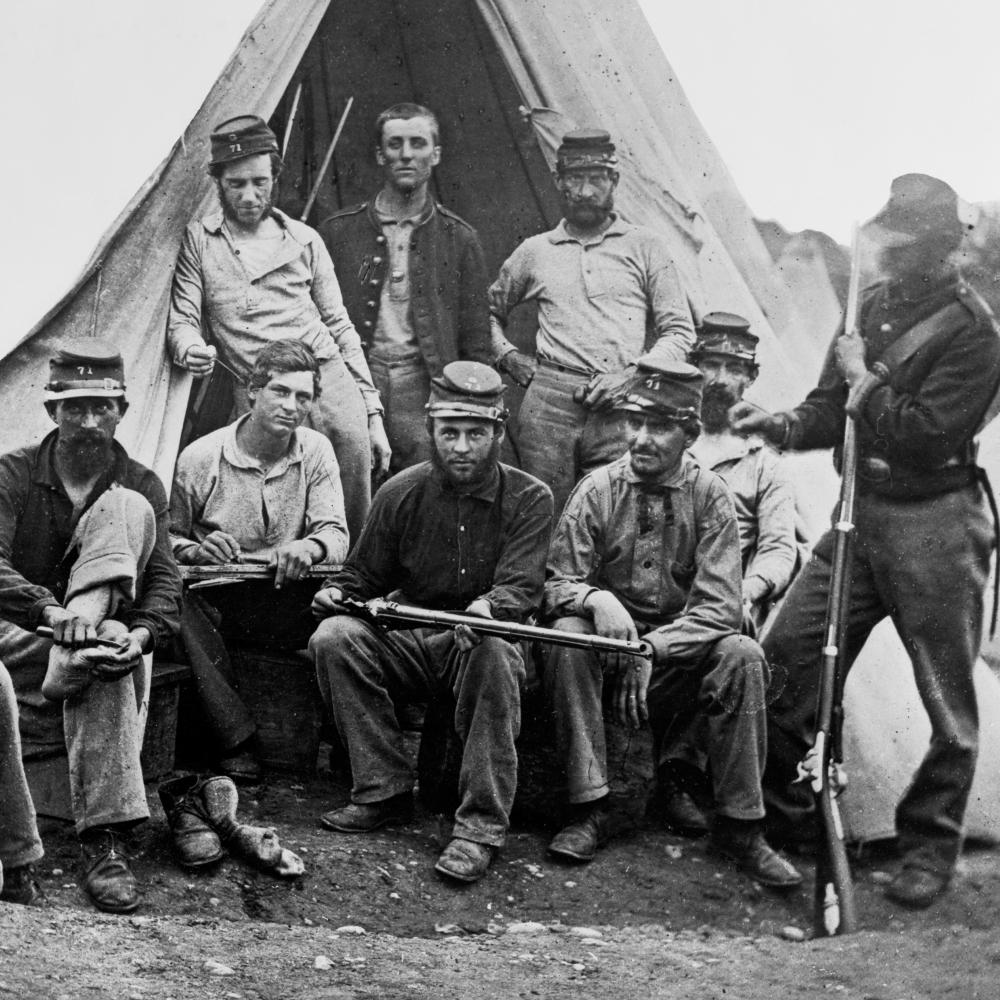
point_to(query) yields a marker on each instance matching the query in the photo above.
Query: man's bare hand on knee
(68, 627)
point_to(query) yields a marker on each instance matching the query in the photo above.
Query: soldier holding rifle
(649, 546)
(918, 381)
(460, 532)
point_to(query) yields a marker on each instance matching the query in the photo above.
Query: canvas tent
(507, 78)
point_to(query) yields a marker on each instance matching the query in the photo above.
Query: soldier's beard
(716, 401)
(84, 455)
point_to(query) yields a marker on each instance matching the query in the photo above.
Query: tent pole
(291, 120)
(326, 161)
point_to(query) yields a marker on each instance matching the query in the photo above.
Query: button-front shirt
(242, 306)
(219, 487)
(668, 550)
(595, 296)
(443, 547)
(765, 507)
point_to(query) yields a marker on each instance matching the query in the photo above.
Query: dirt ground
(653, 916)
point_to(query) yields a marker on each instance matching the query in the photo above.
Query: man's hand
(609, 616)
(381, 449)
(631, 687)
(604, 390)
(519, 366)
(465, 638)
(327, 602)
(746, 418)
(199, 360)
(293, 559)
(111, 665)
(851, 360)
(68, 628)
(217, 548)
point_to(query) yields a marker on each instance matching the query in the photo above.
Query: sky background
(813, 105)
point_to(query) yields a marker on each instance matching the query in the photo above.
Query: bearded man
(84, 550)
(461, 532)
(597, 282)
(248, 275)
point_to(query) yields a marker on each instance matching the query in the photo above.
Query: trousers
(19, 840)
(404, 385)
(560, 440)
(363, 674)
(726, 688)
(925, 564)
(101, 725)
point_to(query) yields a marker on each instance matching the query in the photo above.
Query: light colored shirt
(765, 508)
(393, 331)
(219, 487)
(596, 296)
(242, 306)
(670, 554)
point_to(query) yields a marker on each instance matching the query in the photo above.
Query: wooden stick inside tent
(291, 120)
(326, 161)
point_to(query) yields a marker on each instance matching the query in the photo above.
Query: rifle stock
(389, 614)
(834, 910)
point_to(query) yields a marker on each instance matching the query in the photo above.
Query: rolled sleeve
(673, 326)
(775, 553)
(325, 522)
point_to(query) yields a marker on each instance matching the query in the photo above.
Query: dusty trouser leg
(549, 427)
(731, 684)
(486, 684)
(574, 684)
(931, 561)
(104, 721)
(792, 645)
(19, 840)
(404, 385)
(227, 717)
(362, 674)
(602, 440)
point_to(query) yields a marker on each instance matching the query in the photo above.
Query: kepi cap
(240, 137)
(725, 333)
(585, 148)
(467, 389)
(86, 368)
(919, 206)
(670, 389)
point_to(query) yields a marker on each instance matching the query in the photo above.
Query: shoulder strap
(947, 319)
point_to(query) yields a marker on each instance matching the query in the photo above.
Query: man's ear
(379, 156)
(501, 432)
(436, 156)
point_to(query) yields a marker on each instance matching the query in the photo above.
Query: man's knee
(337, 636)
(496, 664)
(738, 677)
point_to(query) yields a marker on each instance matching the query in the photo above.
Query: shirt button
(886, 328)
(380, 239)
(371, 303)
(461, 527)
(463, 572)
(368, 323)
(648, 564)
(376, 260)
(374, 282)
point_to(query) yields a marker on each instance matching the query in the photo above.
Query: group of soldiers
(651, 504)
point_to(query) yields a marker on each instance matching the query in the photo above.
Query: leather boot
(742, 842)
(107, 879)
(18, 885)
(196, 844)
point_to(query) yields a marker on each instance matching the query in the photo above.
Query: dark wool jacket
(918, 427)
(448, 305)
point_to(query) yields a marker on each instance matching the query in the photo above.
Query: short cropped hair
(282, 357)
(407, 110)
(216, 170)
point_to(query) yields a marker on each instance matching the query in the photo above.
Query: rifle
(390, 615)
(834, 909)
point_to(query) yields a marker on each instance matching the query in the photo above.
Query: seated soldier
(648, 547)
(725, 353)
(84, 550)
(262, 490)
(20, 845)
(460, 532)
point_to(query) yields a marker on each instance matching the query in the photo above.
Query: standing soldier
(648, 547)
(919, 381)
(248, 275)
(597, 281)
(413, 277)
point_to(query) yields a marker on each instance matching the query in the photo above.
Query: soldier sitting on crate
(461, 532)
(84, 551)
(264, 490)
(648, 547)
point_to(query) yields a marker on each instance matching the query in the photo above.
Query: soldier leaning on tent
(84, 550)
(596, 280)
(248, 275)
(920, 379)
(413, 277)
